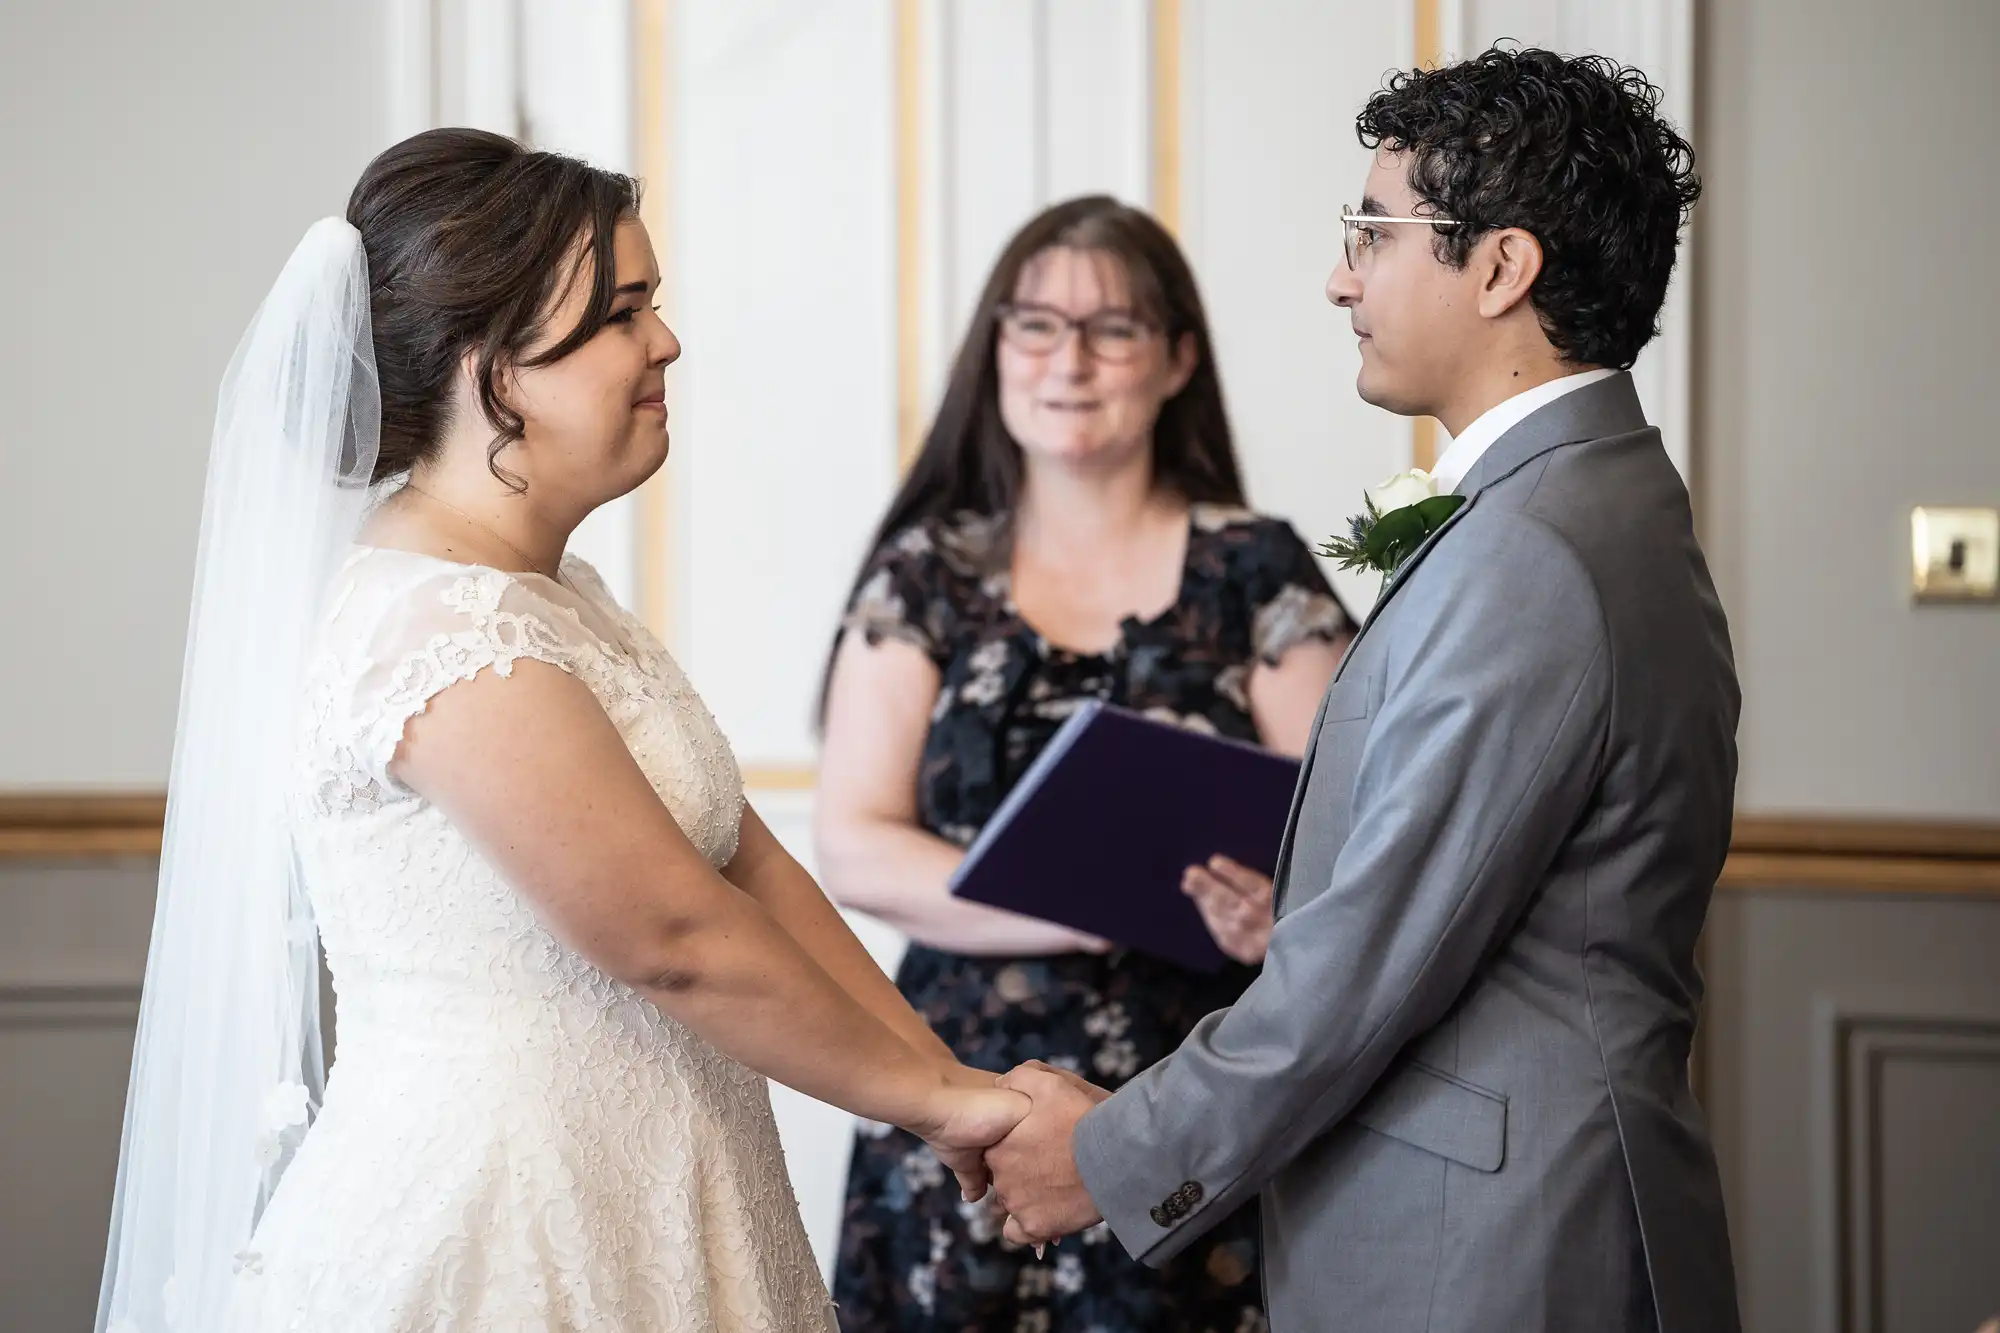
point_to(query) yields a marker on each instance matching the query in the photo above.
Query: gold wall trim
(652, 143)
(1768, 853)
(1166, 93)
(909, 149)
(1428, 25)
(66, 824)
(1423, 443)
(1814, 853)
(1761, 872)
(1810, 835)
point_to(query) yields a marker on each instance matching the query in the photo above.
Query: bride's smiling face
(596, 420)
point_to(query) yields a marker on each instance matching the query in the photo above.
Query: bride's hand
(967, 1115)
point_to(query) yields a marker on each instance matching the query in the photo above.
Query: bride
(567, 954)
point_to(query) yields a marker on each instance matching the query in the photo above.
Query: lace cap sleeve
(414, 637)
(1290, 598)
(900, 596)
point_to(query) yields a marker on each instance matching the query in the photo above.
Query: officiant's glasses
(1358, 232)
(1111, 336)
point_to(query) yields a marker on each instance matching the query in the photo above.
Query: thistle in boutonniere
(1402, 512)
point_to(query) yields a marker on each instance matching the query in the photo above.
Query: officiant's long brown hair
(969, 462)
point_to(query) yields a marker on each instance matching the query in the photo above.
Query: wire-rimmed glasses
(1358, 236)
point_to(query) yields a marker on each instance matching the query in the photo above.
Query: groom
(1459, 1087)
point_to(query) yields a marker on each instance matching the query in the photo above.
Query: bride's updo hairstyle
(471, 240)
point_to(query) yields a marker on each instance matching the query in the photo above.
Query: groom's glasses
(1361, 232)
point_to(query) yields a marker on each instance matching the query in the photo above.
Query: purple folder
(1097, 832)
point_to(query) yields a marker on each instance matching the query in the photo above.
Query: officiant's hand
(966, 1116)
(1235, 903)
(1034, 1167)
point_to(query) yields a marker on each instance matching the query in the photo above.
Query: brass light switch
(1956, 554)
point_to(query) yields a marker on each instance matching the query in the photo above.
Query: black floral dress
(913, 1256)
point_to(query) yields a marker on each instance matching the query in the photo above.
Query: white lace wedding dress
(510, 1139)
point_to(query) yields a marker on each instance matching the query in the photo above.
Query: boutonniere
(1402, 511)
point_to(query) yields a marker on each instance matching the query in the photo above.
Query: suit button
(1161, 1217)
(1189, 1194)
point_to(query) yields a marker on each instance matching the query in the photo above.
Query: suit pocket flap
(1347, 700)
(1431, 1110)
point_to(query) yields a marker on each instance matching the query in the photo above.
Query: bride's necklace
(526, 559)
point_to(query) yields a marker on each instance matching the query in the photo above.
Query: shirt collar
(1465, 450)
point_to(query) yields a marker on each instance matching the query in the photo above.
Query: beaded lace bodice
(510, 1137)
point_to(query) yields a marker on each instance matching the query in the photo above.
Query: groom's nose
(1343, 288)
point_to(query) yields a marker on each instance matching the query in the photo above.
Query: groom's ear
(1509, 261)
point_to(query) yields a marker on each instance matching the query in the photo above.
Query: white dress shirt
(1465, 450)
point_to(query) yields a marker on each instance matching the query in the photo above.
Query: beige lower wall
(1835, 1021)
(1851, 1072)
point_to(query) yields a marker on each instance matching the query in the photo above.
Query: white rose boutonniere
(1402, 490)
(1401, 513)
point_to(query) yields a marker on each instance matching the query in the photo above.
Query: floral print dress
(912, 1255)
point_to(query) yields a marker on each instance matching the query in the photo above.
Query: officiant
(1074, 528)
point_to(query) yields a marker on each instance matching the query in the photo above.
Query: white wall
(1848, 292)
(159, 162)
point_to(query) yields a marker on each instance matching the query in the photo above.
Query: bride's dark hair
(471, 238)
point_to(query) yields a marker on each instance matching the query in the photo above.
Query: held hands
(1235, 903)
(1034, 1168)
(1013, 1135)
(966, 1116)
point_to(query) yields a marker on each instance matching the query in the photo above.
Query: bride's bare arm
(531, 770)
(767, 872)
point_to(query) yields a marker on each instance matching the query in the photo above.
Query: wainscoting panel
(1852, 1078)
(1918, 1167)
(72, 953)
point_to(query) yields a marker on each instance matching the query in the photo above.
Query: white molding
(489, 37)
(1024, 104)
(411, 74)
(1452, 23)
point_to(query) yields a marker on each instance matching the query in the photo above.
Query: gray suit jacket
(1460, 1083)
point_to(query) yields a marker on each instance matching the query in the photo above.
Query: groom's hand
(1034, 1168)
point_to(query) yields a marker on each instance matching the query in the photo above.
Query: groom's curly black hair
(1572, 149)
